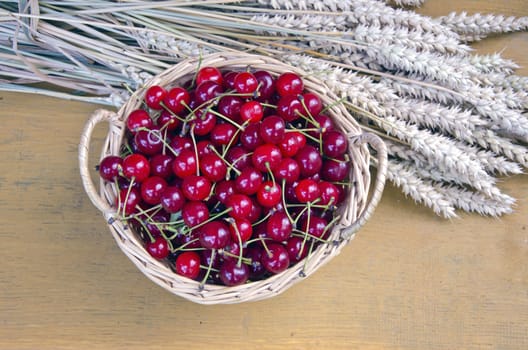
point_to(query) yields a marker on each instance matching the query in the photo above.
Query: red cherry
(224, 190)
(256, 211)
(245, 83)
(276, 259)
(172, 199)
(243, 230)
(309, 160)
(159, 248)
(214, 235)
(288, 169)
(335, 170)
(312, 104)
(266, 156)
(329, 193)
(291, 143)
(290, 108)
(307, 190)
(149, 142)
(152, 189)
(128, 200)
(167, 121)
(240, 206)
(323, 123)
(272, 129)
(136, 166)
(179, 143)
(296, 249)
(196, 188)
(269, 194)
(266, 85)
(316, 227)
(161, 165)
(154, 96)
(194, 213)
(207, 91)
(185, 164)
(229, 79)
(250, 137)
(177, 99)
(248, 181)
(204, 147)
(187, 264)
(203, 123)
(335, 144)
(238, 157)
(209, 74)
(213, 167)
(222, 134)
(251, 112)
(109, 167)
(279, 227)
(233, 274)
(137, 119)
(289, 83)
(229, 106)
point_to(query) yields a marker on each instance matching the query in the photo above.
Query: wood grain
(409, 280)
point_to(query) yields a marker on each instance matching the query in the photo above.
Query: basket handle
(98, 116)
(381, 159)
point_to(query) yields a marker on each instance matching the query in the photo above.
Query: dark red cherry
(224, 190)
(234, 274)
(136, 166)
(177, 100)
(214, 235)
(238, 157)
(209, 74)
(329, 193)
(185, 163)
(152, 189)
(229, 80)
(167, 121)
(251, 112)
(179, 143)
(196, 188)
(149, 142)
(249, 181)
(312, 104)
(279, 227)
(296, 249)
(289, 83)
(290, 108)
(272, 129)
(229, 106)
(335, 144)
(256, 269)
(323, 124)
(213, 167)
(267, 156)
(128, 200)
(194, 213)
(240, 206)
(291, 143)
(172, 199)
(250, 137)
(269, 194)
(335, 170)
(256, 211)
(110, 167)
(203, 123)
(309, 160)
(307, 190)
(316, 227)
(245, 83)
(223, 134)
(276, 259)
(161, 165)
(159, 248)
(154, 96)
(204, 147)
(187, 264)
(266, 87)
(207, 91)
(288, 169)
(137, 119)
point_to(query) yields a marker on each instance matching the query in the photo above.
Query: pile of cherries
(231, 177)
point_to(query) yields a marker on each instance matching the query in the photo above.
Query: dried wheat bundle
(454, 121)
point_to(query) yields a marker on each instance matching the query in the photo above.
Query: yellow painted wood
(409, 280)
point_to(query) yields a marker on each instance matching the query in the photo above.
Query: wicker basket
(356, 210)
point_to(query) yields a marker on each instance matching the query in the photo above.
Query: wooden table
(409, 280)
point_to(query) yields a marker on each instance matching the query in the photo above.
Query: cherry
(204, 147)
(238, 157)
(207, 91)
(194, 213)
(203, 123)
(309, 160)
(177, 99)
(152, 223)
(214, 235)
(276, 258)
(196, 188)
(229, 106)
(209, 74)
(279, 227)
(248, 181)
(229, 79)
(256, 269)
(154, 97)
(149, 142)
(287, 170)
(172, 199)
(241, 230)
(323, 123)
(161, 165)
(136, 166)
(213, 167)
(291, 143)
(159, 248)
(222, 134)
(167, 121)
(335, 170)
(296, 249)
(256, 211)
(187, 264)
(179, 143)
(307, 190)
(152, 189)
(128, 200)
(251, 112)
(335, 144)
(312, 104)
(245, 83)
(240, 206)
(185, 164)
(190, 241)
(224, 190)
(234, 274)
(250, 137)
(289, 83)
(266, 156)
(315, 228)
(290, 108)
(109, 167)
(137, 119)
(210, 259)
(329, 193)
(266, 85)
(269, 194)
(272, 129)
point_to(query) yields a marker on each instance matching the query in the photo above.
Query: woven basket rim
(355, 213)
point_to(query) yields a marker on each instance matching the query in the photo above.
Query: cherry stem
(129, 189)
(268, 105)
(308, 205)
(195, 150)
(224, 152)
(308, 255)
(284, 201)
(299, 233)
(212, 218)
(263, 219)
(218, 114)
(239, 239)
(270, 173)
(241, 259)
(209, 268)
(171, 112)
(183, 246)
(304, 133)
(229, 165)
(165, 144)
